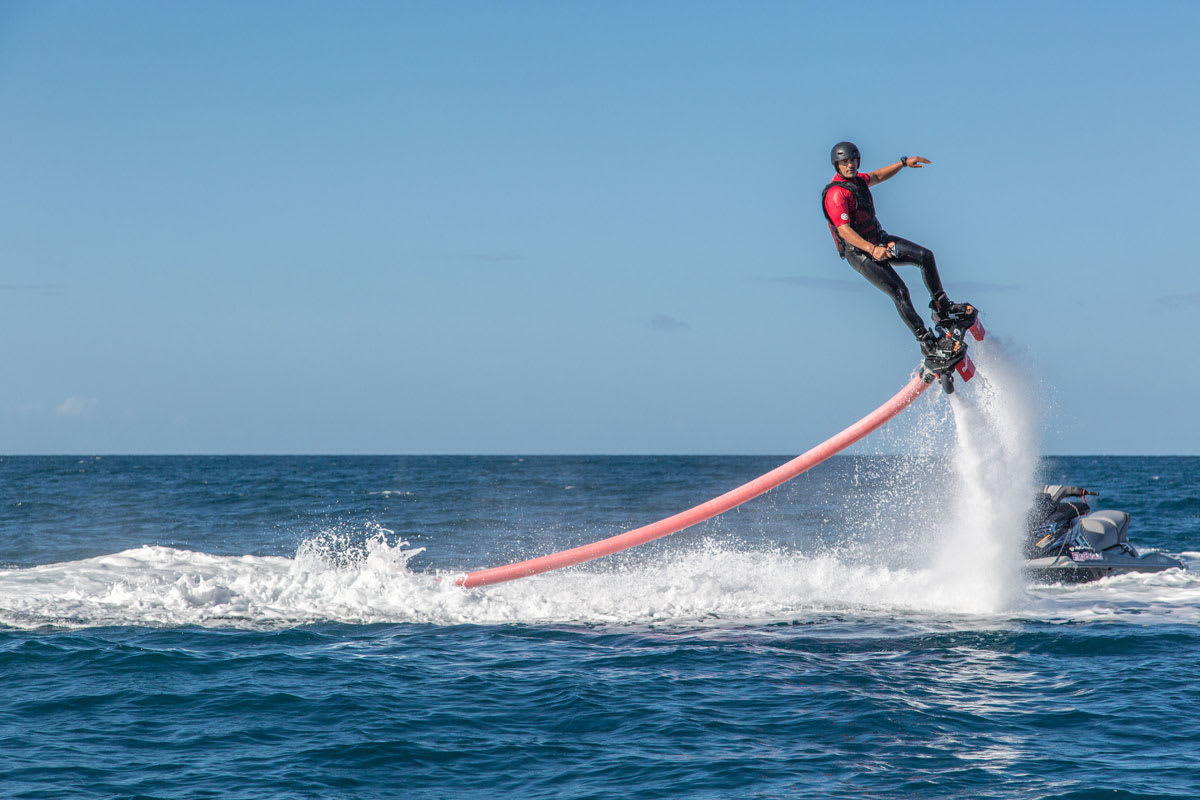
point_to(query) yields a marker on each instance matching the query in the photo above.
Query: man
(861, 240)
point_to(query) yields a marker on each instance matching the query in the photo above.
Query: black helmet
(843, 150)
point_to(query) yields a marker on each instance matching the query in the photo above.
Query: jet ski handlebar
(1057, 493)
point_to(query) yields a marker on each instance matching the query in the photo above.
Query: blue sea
(289, 627)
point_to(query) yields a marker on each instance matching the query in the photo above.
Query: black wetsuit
(881, 273)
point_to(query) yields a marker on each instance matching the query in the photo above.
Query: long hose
(706, 510)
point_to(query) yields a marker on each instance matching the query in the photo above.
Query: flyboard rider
(862, 241)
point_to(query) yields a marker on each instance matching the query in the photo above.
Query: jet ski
(1069, 542)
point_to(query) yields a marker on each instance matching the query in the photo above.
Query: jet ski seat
(1107, 528)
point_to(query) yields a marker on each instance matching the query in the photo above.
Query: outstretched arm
(883, 173)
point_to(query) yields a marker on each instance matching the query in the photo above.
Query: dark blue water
(272, 628)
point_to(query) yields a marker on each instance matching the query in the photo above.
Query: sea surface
(289, 627)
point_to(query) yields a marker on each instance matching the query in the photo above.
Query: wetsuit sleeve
(838, 204)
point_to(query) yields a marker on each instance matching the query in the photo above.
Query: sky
(579, 227)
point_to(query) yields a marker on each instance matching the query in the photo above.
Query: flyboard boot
(957, 318)
(945, 353)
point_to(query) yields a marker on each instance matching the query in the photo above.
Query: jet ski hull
(1063, 569)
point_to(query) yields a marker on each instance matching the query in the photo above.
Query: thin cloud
(496, 258)
(74, 406)
(1177, 300)
(38, 288)
(984, 286)
(826, 284)
(666, 323)
(851, 285)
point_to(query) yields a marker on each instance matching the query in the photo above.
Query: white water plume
(953, 506)
(995, 460)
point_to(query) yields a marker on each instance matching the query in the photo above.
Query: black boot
(940, 352)
(932, 345)
(946, 312)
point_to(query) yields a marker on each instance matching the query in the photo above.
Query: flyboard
(953, 359)
(952, 356)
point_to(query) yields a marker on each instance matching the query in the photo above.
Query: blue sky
(571, 227)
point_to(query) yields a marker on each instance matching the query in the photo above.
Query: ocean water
(289, 627)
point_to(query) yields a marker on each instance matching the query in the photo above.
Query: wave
(332, 580)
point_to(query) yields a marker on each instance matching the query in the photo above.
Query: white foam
(164, 586)
(703, 584)
(1154, 598)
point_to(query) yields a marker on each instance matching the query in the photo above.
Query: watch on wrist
(904, 161)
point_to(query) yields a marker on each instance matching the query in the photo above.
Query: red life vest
(862, 219)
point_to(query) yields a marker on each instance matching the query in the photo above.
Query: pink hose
(707, 510)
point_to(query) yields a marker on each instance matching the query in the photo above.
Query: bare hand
(917, 162)
(879, 252)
